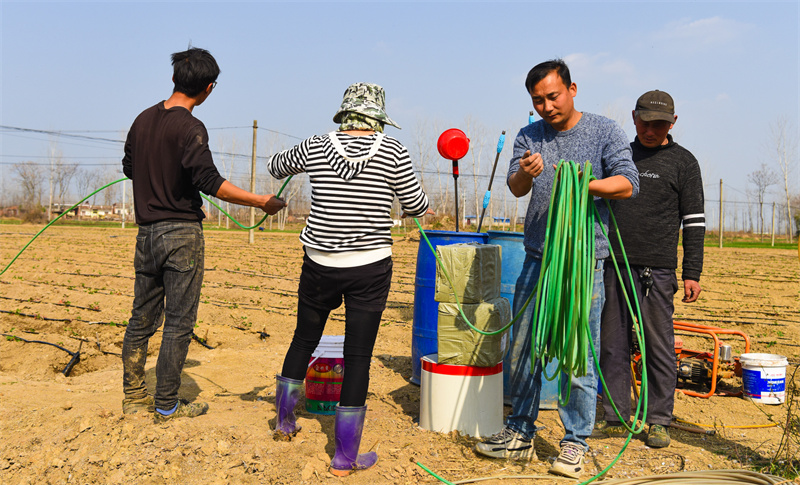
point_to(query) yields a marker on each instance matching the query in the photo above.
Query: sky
(88, 68)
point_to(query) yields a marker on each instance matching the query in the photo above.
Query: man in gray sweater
(671, 195)
(568, 134)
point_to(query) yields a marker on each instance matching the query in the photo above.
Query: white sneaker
(507, 444)
(569, 462)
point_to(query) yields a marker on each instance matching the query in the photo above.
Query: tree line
(41, 185)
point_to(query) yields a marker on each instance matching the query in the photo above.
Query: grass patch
(745, 240)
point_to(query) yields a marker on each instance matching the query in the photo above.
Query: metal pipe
(455, 182)
(487, 197)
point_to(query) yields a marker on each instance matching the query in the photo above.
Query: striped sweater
(352, 195)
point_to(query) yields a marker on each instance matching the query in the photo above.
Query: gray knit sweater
(594, 138)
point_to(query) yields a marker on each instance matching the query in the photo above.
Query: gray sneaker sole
(566, 470)
(527, 454)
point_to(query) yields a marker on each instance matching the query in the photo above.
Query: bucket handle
(312, 361)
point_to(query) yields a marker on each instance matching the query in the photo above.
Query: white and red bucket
(461, 397)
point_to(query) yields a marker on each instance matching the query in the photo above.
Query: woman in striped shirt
(355, 174)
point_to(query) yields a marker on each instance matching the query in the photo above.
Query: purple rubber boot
(347, 428)
(287, 393)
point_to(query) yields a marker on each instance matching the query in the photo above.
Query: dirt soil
(74, 287)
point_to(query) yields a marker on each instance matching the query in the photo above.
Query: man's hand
(691, 290)
(273, 204)
(531, 164)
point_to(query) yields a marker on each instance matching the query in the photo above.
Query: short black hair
(541, 70)
(193, 70)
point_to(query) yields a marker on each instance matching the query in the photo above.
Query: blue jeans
(169, 273)
(578, 415)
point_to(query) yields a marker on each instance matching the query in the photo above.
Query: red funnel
(453, 144)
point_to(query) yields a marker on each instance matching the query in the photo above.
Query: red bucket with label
(324, 375)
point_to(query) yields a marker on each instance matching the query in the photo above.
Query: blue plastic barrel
(425, 329)
(513, 255)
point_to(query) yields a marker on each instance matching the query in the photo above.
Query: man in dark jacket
(670, 195)
(168, 159)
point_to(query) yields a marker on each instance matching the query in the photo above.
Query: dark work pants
(616, 340)
(169, 274)
(365, 290)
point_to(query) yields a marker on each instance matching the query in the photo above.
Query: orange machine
(703, 368)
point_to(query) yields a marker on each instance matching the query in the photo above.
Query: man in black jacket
(168, 159)
(670, 195)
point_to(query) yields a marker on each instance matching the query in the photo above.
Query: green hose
(116, 182)
(704, 477)
(239, 223)
(54, 220)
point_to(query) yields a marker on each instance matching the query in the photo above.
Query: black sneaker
(507, 444)
(140, 405)
(605, 429)
(184, 410)
(657, 436)
(569, 462)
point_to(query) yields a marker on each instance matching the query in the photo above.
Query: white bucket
(461, 397)
(764, 377)
(325, 375)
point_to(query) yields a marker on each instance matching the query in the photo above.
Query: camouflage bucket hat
(366, 99)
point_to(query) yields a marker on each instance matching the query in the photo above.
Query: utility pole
(50, 204)
(721, 218)
(253, 182)
(124, 185)
(773, 224)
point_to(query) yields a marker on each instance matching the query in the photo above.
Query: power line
(48, 156)
(117, 141)
(36, 164)
(280, 133)
(59, 133)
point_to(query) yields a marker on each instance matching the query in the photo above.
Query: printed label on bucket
(766, 384)
(324, 385)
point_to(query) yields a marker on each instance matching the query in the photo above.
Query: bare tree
(762, 179)
(85, 181)
(61, 175)
(31, 181)
(422, 148)
(275, 143)
(110, 193)
(784, 144)
(227, 159)
(616, 113)
(477, 134)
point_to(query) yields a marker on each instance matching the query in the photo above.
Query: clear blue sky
(91, 67)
